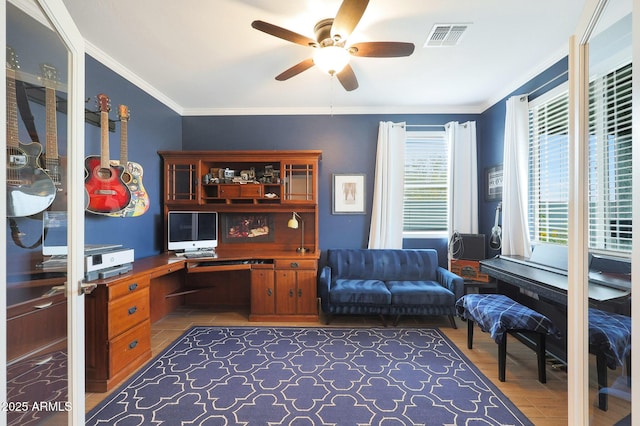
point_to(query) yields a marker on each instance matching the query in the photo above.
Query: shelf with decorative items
(254, 186)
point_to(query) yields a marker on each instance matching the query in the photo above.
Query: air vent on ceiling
(445, 34)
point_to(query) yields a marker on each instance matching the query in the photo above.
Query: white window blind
(425, 182)
(549, 169)
(610, 168)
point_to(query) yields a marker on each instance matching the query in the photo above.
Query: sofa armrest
(450, 281)
(324, 285)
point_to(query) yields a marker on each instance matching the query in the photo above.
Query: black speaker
(471, 247)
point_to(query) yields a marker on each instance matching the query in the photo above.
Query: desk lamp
(293, 224)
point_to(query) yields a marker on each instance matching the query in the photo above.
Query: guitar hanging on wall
(132, 175)
(29, 189)
(105, 189)
(495, 242)
(55, 165)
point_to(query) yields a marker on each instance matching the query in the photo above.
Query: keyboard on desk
(199, 254)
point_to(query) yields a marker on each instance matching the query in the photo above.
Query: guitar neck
(124, 155)
(12, 110)
(104, 140)
(51, 128)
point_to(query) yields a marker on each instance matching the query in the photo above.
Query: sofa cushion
(383, 264)
(367, 292)
(419, 293)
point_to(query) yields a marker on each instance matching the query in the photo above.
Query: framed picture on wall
(348, 193)
(493, 183)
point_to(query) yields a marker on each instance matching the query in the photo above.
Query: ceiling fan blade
(347, 18)
(283, 33)
(382, 49)
(295, 70)
(348, 78)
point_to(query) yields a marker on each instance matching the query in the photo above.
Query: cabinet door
(285, 292)
(181, 181)
(262, 292)
(306, 293)
(299, 182)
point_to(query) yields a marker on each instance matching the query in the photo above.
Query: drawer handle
(269, 292)
(299, 292)
(290, 292)
(44, 305)
(133, 286)
(133, 344)
(132, 310)
(294, 264)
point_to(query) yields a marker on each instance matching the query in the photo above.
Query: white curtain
(515, 229)
(463, 177)
(388, 191)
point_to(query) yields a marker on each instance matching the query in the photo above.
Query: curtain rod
(543, 85)
(425, 125)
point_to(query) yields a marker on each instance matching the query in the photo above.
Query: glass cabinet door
(299, 182)
(181, 181)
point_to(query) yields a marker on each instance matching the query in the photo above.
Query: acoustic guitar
(105, 189)
(495, 242)
(132, 175)
(29, 189)
(54, 164)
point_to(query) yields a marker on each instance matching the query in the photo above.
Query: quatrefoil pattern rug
(308, 376)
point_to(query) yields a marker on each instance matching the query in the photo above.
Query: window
(426, 182)
(549, 168)
(610, 168)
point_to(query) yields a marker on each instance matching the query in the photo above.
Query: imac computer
(192, 231)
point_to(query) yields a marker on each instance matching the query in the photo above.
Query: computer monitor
(192, 230)
(54, 233)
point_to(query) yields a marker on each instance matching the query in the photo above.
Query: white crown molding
(442, 109)
(129, 75)
(521, 81)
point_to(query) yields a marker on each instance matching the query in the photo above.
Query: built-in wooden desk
(120, 311)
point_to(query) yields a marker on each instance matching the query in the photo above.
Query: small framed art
(494, 183)
(348, 193)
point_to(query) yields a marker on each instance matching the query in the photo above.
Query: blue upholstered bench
(610, 342)
(499, 315)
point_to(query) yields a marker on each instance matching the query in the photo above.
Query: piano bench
(610, 342)
(500, 315)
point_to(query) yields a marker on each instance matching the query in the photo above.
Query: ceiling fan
(331, 52)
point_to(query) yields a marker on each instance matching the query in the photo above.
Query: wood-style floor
(543, 404)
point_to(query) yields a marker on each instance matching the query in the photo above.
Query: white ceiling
(201, 57)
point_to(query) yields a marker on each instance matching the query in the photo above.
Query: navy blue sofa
(387, 282)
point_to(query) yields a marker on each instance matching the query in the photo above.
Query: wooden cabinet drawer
(126, 348)
(129, 286)
(167, 269)
(249, 190)
(295, 264)
(128, 311)
(36, 324)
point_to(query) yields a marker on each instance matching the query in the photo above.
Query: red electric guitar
(29, 189)
(103, 183)
(132, 175)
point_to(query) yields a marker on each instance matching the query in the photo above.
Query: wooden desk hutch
(243, 185)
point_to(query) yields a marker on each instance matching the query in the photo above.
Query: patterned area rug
(308, 376)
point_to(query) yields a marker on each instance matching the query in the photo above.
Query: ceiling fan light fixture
(331, 59)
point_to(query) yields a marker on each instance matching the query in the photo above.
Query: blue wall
(152, 127)
(348, 144)
(491, 137)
